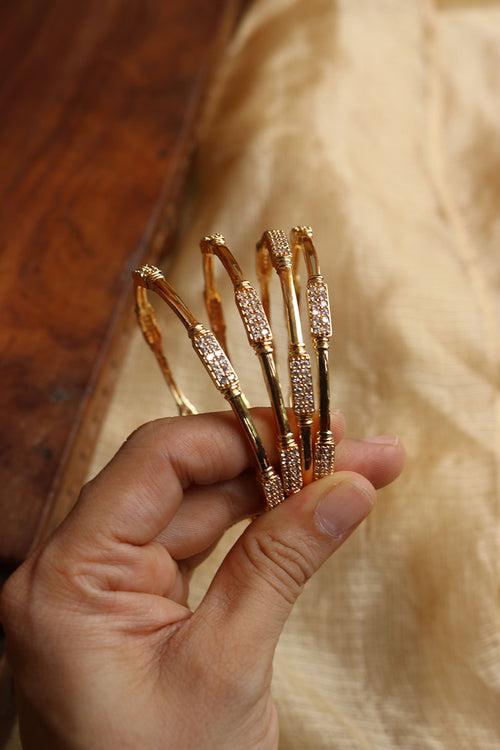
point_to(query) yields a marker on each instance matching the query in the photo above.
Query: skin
(104, 649)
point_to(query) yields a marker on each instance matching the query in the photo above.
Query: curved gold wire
(273, 251)
(148, 324)
(260, 338)
(320, 323)
(220, 370)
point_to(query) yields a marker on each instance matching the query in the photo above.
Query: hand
(104, 649)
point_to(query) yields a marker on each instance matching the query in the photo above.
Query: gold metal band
(260, 338)
(217, 365)
(151, 331)
(320, 323)
(273, 251)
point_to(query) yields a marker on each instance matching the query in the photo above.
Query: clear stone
(318, 307)
(214, 358)
(252, 314)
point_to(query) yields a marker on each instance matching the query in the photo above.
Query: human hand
(103, 647)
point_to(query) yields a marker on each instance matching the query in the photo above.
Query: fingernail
(383, 440)
(344, 506)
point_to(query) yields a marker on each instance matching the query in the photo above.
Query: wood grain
(99, 102)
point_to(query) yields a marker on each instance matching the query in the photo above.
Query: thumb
(259, 581)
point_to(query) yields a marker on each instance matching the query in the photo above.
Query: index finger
(136, 495)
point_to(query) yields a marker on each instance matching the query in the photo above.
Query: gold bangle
(260, 338)
(221, 372)
(151, 331)
(273, 250)
(320, 323)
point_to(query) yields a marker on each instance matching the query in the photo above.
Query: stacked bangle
(320, 323)
(273, 251)
(151, 331)
(260, 338)
(215, 361)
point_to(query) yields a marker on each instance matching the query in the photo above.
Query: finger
(147, 569)
(137, 494)
(379, 459)
(207, 512)
(255, 588)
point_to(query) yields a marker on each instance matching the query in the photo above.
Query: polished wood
(99, 103)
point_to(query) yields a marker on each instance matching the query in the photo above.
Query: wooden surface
(99, 103)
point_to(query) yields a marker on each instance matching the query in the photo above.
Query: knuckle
(283, 565)
(150, 433)
(21, 596)
(87, 490)
(144, 432)
(13, 598)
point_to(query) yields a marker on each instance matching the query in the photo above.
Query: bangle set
(273, 251)
(260, 338)
(298, 463)
(218, 367)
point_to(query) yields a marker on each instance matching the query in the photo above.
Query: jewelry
(151, 331)
(221, 372)
(320, 323)
(260, 338)
(273, 250)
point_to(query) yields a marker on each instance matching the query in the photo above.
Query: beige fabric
(378, 123)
